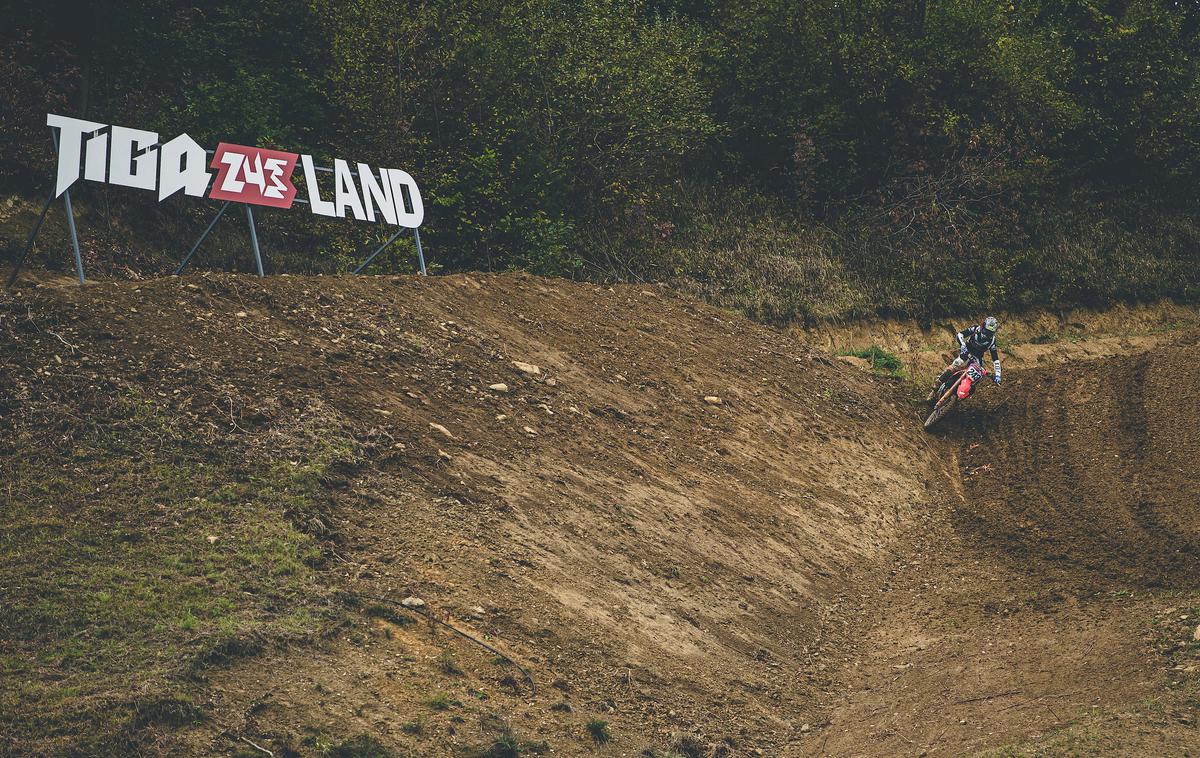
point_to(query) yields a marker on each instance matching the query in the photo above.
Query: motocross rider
(972, 342)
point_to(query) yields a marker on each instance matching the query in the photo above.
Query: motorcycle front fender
(964, 388)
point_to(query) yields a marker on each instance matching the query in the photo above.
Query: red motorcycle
(958, 386)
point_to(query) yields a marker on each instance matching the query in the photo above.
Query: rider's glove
(996, 368)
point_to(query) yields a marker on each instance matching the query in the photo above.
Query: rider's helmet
(990, 325)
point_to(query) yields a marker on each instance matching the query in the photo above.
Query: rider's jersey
(975, 340)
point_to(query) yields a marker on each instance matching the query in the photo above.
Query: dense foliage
(815, 159)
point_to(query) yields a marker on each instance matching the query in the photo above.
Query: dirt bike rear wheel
(940, 410)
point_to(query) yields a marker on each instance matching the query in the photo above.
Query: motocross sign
(250, 175)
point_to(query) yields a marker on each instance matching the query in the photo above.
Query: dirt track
(794, 569)
(1035, 607)
(1094, 471)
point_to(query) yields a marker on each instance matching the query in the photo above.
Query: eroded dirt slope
(696, 534)
(661, 521)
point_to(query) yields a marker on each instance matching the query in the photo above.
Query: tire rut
(1078, 472)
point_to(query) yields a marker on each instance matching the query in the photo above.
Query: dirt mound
(693, 533)
(655, 505)
(1089, 468)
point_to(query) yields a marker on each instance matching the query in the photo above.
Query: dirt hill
(658, 520)
(630, 522)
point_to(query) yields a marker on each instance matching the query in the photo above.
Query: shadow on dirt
(1088, 471)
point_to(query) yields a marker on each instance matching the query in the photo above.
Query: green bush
(796, 160)
(882, 362)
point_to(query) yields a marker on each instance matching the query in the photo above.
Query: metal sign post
(378, 250)
(254, 241)
(29, 242)
(420, 252)
(196, 246)
(37, 225)
(74, 235)
(390, 240)
(258, 263)
(70, 219)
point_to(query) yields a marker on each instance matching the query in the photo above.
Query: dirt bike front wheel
(941, 409)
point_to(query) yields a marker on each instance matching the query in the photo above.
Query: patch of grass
(441, 701)
(690, 746)
(883, 363)
(168, 711)
(447, 664)
(756, 256)
(597, 729)
(136, 553)
(504, 746)
(362, 746)
(415, 727)
(1174, 636)
(1074, 739)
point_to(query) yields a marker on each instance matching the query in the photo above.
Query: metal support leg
(70, 220)
(29, 242)
(378, 250)
(254, 241)
(420, 252)
(74, 235)
(196, 246)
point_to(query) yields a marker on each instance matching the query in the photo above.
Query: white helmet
(990, 324)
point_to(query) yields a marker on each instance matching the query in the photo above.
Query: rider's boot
(937, 383)
(945, 377)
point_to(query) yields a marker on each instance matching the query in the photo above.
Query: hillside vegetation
(806, 160)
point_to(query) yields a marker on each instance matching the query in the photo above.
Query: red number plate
(253, 175)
